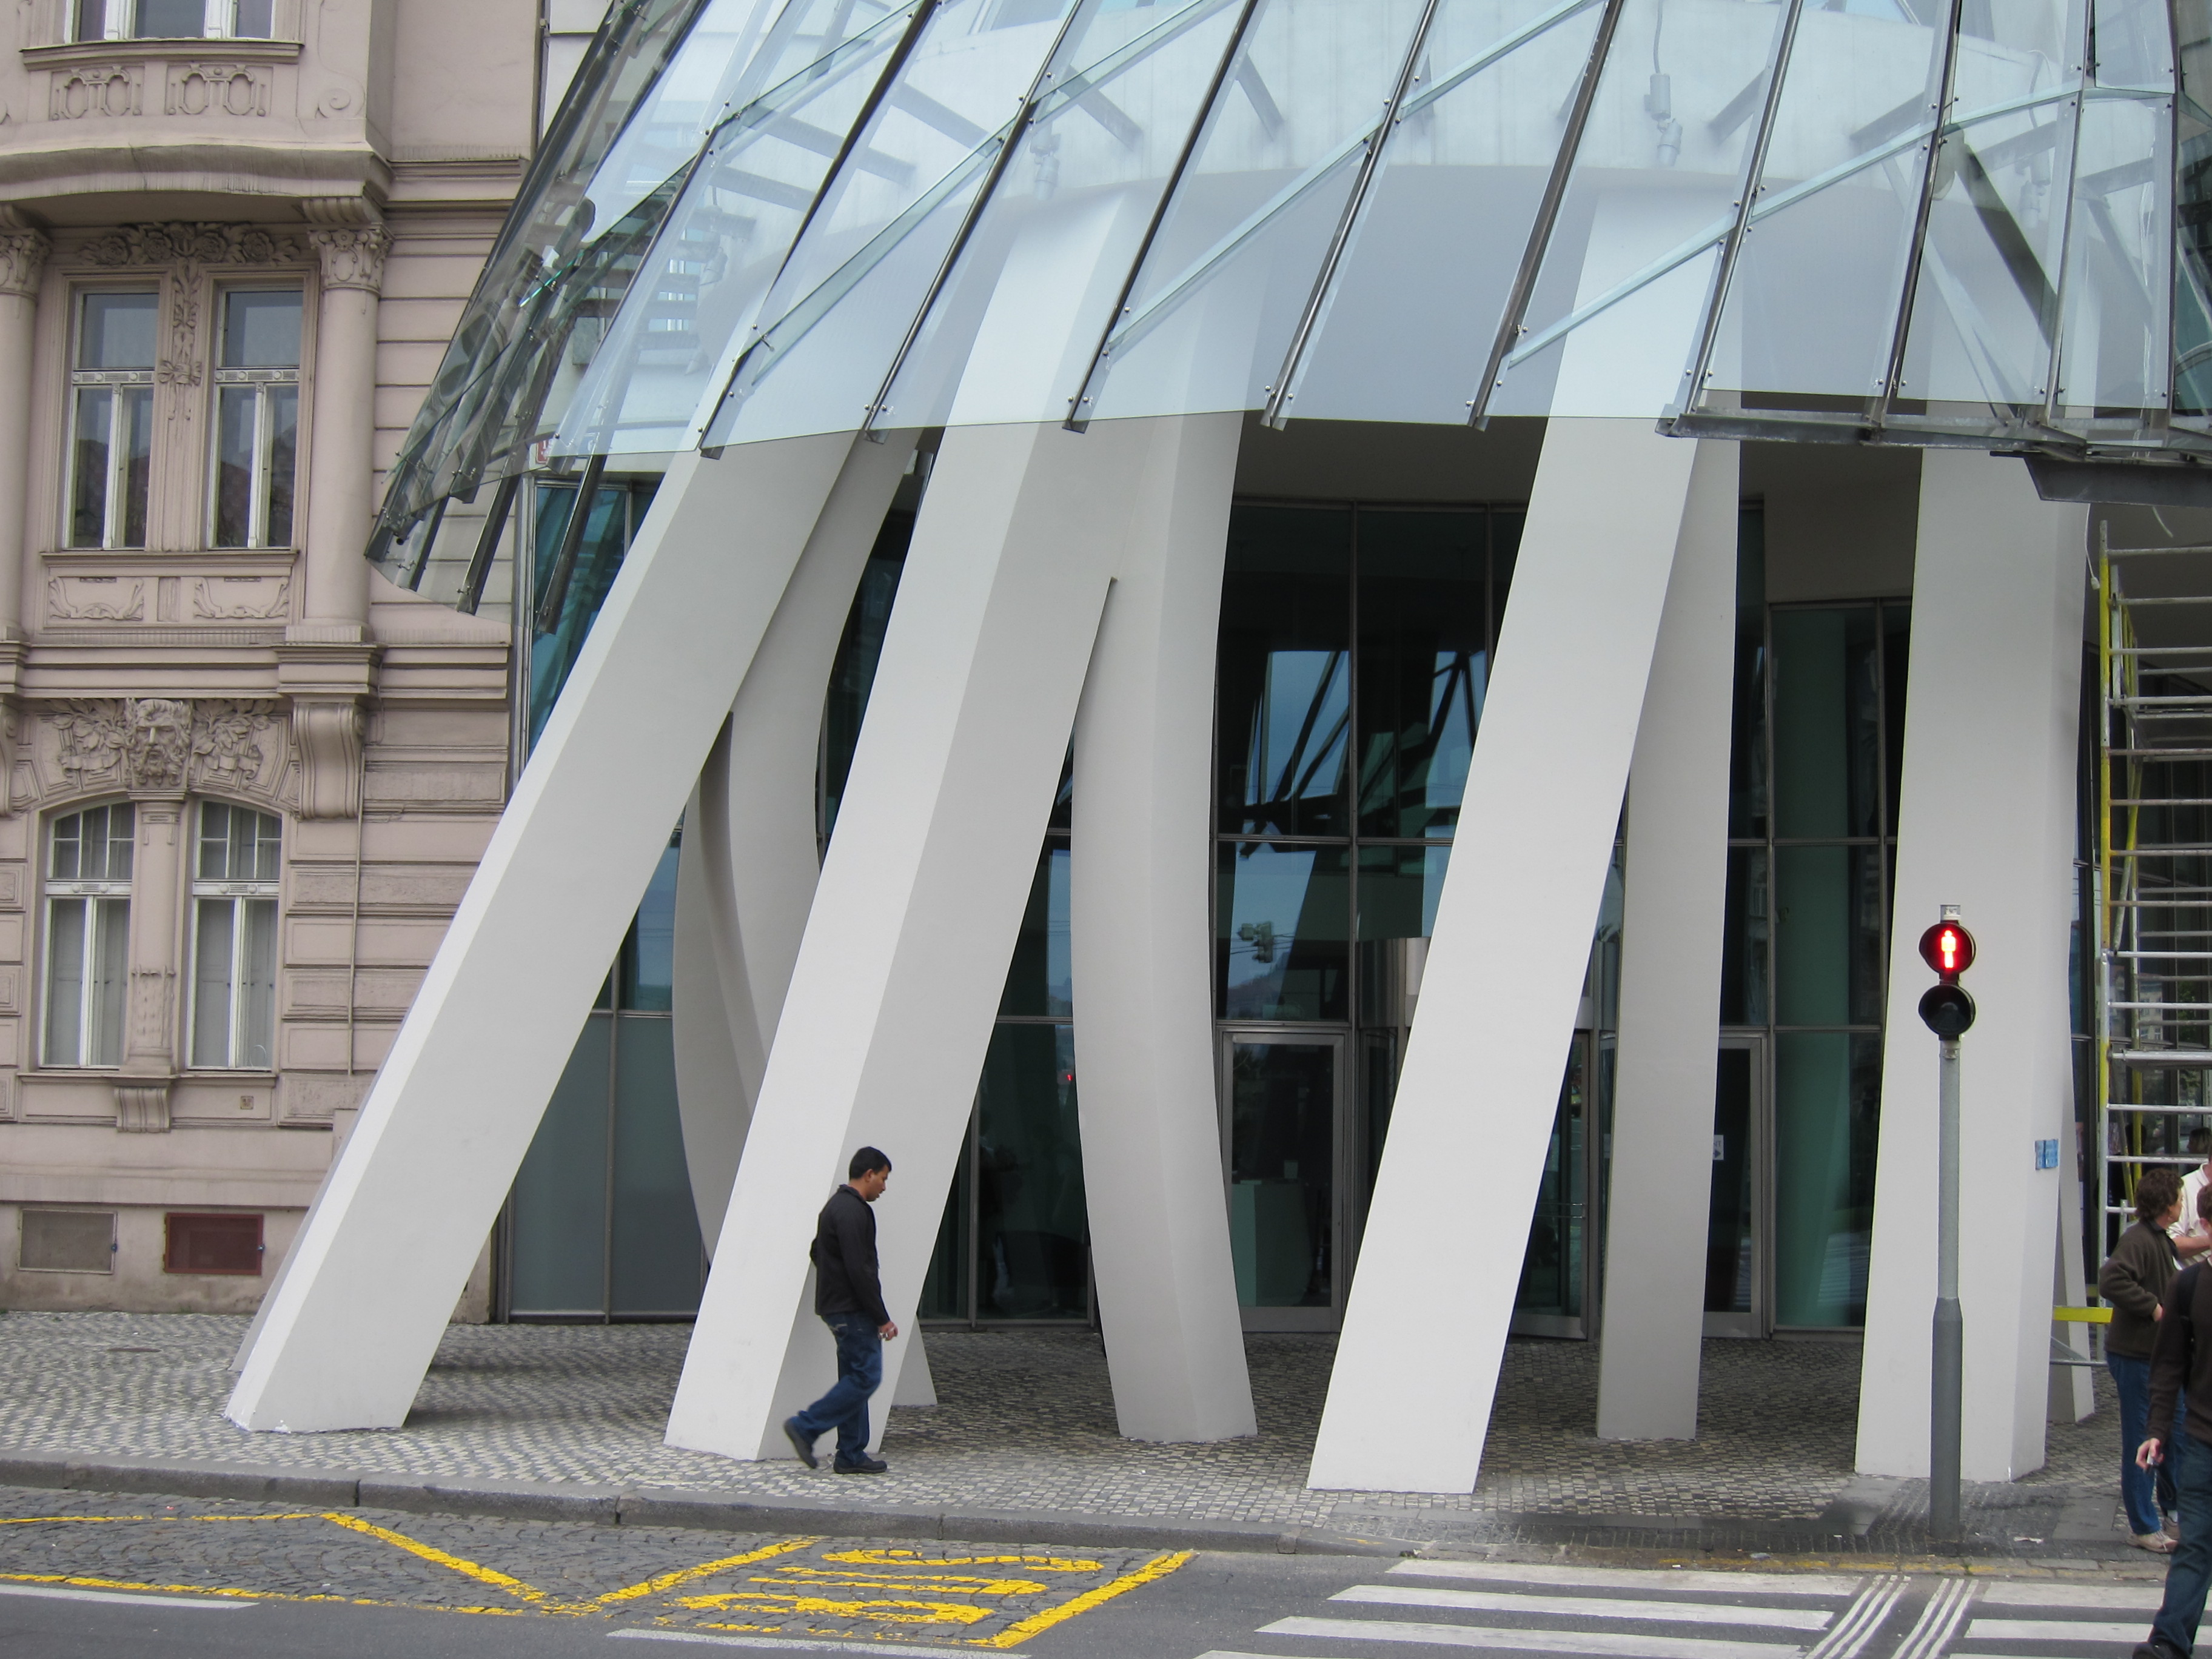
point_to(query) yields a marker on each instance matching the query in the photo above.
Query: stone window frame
(237, 893)
(116, 382)
(262, 381)
(219, 21)
(104, 890)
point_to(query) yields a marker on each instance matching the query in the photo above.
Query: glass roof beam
(1946, 90)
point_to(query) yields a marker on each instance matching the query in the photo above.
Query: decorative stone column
(156, 753)
(22, 261)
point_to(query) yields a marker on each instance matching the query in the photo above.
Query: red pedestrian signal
(1949, 949)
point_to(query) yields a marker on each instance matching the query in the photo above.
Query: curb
(661, 1506)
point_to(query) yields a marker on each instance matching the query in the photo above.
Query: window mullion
(257, 507)
(112, 505)
(237, 1035)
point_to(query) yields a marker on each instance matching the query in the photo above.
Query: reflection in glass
(1747, 804)
(1033, 1257)
(1747, 939)
(1282, 923)
(598, 557)
(1284, 673)
(1828, 723)
(1552, 1268)
(649, 958)
(1827, 959)
(1399, 888)
(1423, 666)
(853, 674)
(1040, 980)
(656, 1261)
(1828, 1107)
(1282, 1185)
(1729, 1233)
(558, 1264)
(945, 1286)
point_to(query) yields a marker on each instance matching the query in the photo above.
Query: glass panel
(1748, 803)
(1033, 1254)
(137, 467)
(235, 410)
(649, 963)
(1827, 1105)
(66, 943)
(1041, 980)
(215, 841)
(121, 821)
(1282, 920)
(257, 985)
(1896, 664)
(91, 20)
(2192, 220)
(560, 1200)
(1827, 725)
(1399, 887)
(1378, 1092)
(269, 844)
(658, 1261)
(1828, 945)
(170, 20)
(212, 944)
(68, 846)
(1729, 1233)
(858, 652)
(88, 466)
(261, 328)
(110, 985)
(598, 559)
(2115, 345)
(1551, 1270)
(118, 330)
(252, 19)
(1834, 220)
(1423, 666)
(1745, 946)
(282, 403)
(945, 1288)
(1282, 1185)
(1423, 288)
(1283, 674)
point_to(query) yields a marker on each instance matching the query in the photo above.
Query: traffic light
(1946, 1009)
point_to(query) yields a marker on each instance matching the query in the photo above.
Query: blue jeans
(2147, 1493)
(860, 1373)
(2189, 1568)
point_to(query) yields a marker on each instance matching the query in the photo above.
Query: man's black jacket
(2183, 1358)
(845, 1259)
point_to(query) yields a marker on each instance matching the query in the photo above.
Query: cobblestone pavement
(1026, 1423)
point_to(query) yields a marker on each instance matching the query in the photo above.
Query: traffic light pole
(1947, 1372)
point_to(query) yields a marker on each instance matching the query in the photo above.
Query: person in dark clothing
(2134, 1277)
(850, 1297)
(2182, 1359)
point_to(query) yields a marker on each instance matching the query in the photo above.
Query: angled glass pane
(1985, 312)
(1652, 192)
(1223, 287)
(2113, 348)
(1014, 331)
(861, 273)
(721, 245)
(2192, 227)
(1833, 224)
(1421, 290)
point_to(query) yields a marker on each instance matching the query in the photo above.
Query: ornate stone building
(244, 780)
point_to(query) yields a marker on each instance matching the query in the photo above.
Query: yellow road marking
(90, 1520)
(952, 1583)
(910, 1558)
(431, 1552)
(1159, 1567)
(81, 1582)
(927, 1612)
(705, 1570)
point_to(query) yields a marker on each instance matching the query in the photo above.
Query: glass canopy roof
(1953, 221)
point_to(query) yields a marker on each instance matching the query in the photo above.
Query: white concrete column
(1672, 929)
(1985, 822)
(342, 444)
(745, 876)
(22, 263)
(1417, 1364)
(1142, 960)
(898, 984)
(377, 1269)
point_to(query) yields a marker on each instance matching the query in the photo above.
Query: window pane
(1827, 730)
(91, 20)
(1041, 980)
(1745, 946)
(1424, 665)
(658, 1262)
(284, 415)
(254, 20)
(95, 413)
(560, 1260)
(855, 675)
(1828, 945)
(122, 833)
(65, 949)
(648, 966)
(137, 469)
(261, 328)
(1748, 747)
(257, 990)
(1552, 1266)
(233, 464)
(93, 867)
(1282, 1166)
(1399, 887)
(170, 20)
(1033, 1237)
(1283, 915)
(1827, 1105)
(212, 966)
(117, 330)
(68, 846)
(111, 984)
(1896, 657)
(268, 833)
(1284, 678)
(215, 841)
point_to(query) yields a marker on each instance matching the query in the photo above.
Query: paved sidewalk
(1026, 1425)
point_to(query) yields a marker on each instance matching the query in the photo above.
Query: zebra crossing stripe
(1939, 1621)
(1569, 1607)
(2056, 1630)
(1606, 1644)
(1867, 1613)
(2115, 1598)
(1736, 1584)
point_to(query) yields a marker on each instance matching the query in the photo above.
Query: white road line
(1867, 1613)
(1609, 1644)
(1938, 1620)
(58, 1594)
(1590, 1607)
(1737, 1583)
(2122, 1598)
(781, 1643)
(2057, 1629)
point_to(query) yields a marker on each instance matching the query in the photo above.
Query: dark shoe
(2157, 1649)
(865, 1466)
(800, 1443)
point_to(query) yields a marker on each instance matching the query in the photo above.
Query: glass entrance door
(1736, 1302)
(1284, 1145)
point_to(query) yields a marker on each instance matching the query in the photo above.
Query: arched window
(88, 934)
(234, 886)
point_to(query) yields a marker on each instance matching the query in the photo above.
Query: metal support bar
(572, 537)
(480, 561)
(1948, 1373)
(1946, 80)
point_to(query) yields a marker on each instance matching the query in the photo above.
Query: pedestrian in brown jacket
(2134, 1279)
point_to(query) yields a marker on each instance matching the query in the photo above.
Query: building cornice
(70, 54)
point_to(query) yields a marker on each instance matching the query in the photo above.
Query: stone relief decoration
(352, 255)
(22, 260)
(218, 89)
(85, 89)
(241, 598)
(181, 366)
(203, 244)
(163, 746)
(95, 599)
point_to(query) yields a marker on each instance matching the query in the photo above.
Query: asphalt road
(86, 1575)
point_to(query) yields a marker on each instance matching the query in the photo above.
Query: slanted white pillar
(1424, 1333)
(745, 875)
(898, 984)
(378, 1267)
(1142, 961)
(1672, 927)
(1985, 822)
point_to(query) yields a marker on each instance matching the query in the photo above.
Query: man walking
(850, 1301)
(2182, 1359)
